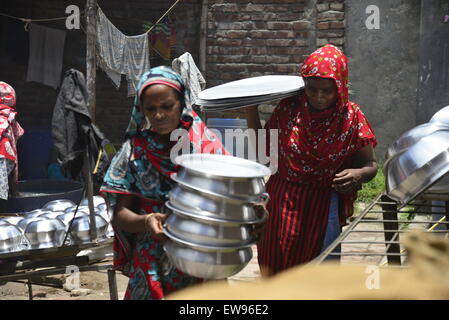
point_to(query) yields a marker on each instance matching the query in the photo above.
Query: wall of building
(383, 65)
(433, 84)
(36, 101)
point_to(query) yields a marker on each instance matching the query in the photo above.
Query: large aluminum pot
(410, 137)
(441, 116)
(211, 205)
(58, 205)
(207, 231)
(24, 222)
(227, 176)
(414, 171)
(47, 233)
(51, 214)
(10, 238)
(79, 230)
(35, 213)
(206, 262)
(12, 220)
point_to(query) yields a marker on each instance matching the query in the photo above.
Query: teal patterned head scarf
(158, 75)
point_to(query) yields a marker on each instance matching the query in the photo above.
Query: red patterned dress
(313, 147)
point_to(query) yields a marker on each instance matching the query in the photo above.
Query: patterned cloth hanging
(120, 54)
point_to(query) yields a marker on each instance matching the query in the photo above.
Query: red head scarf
(10, 130)
(7, 95)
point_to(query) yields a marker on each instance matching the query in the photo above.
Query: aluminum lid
(222, 166)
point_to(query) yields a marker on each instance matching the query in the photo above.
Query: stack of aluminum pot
(211, 228)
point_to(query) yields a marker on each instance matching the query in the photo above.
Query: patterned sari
(142, 168)
(10, 132)
(313, 147)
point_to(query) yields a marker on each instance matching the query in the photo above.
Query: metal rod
(52, 271)
(413, 204)
(366, 254)
(368, 242)
(344, 234)
(112, 279)
(411, 212)
(400, 231)
(89, 191)
(404, 221)
(30, 290)
(447, 213)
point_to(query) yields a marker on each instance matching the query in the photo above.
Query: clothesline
(160, 19)
(163, 16)
(27, 21)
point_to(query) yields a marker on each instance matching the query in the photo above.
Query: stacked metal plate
(417, 163)
(249, 92)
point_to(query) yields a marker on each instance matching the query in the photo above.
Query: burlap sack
(427, 278)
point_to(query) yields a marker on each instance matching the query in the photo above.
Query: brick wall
(246, 39)
(330, 23)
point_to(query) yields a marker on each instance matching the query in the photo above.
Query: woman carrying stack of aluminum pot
(214, 214)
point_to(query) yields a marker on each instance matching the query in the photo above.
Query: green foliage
(373, 188)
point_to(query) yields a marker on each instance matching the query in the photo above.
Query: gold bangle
(147, 225)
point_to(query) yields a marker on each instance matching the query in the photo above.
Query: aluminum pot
(212, 205)
(441, 116)
(51, 214)
(24, 223)
(35, 213)
(12, 220)
(10, 238)
(208, 232)
(410, 137)
(83, 209)
(414, 171)
(206, 262)
(3, 222)
(79, 231)
(222, 175)
(98, 200)
(47, 233)
(58, 205)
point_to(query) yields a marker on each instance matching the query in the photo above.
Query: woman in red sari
(325, 154)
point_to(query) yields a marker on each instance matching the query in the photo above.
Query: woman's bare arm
(365, 169)
(127, 220)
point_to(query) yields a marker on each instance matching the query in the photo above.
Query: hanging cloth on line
(163, 38)
(194, 80)
(120, 54)
(46, 55)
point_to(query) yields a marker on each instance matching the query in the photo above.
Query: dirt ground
(96, 281)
